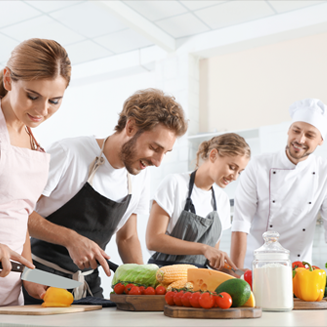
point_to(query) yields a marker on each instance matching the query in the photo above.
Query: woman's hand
(217, 258)
(85, 253)
(6, 254)
(35, 290)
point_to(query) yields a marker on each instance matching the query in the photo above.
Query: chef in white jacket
(284, 191)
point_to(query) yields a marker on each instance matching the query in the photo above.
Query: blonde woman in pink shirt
(32, 86)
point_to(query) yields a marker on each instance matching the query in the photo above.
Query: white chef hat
(311, 111)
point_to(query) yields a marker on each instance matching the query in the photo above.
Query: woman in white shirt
(190, 211)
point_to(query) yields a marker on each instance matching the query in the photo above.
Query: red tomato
(194, 300)
(177, 298)
(206, 300)
(142, 289)
(149, 291)
(161, 290)
(248, 277)
(215, 305)
(169, 298)
(135, 290)
(315, 267)
(119, 288)
(224, 300)
(297, 264)
(128, 288)
(186, 299)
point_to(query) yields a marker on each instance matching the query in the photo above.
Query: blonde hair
(229, 144)
(151, 107)
(36, 59)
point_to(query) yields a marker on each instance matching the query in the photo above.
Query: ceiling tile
(42, 27)
(15, 11)
(155, 10)
(198, 4)
(51, 5)
(286, 5)
(234, 12)
(123, 41)
(86, 51)
(182, 25)
(7, 45)
(90, 19)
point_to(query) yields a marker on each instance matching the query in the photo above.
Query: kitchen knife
(42, 277)
(236, 271)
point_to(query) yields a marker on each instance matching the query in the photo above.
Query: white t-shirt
(172, 193)
(69, 169)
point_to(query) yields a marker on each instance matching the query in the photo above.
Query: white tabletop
(114, 317)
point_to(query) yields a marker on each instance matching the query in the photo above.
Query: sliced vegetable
(57, 297)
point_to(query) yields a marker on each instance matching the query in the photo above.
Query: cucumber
(238, 289)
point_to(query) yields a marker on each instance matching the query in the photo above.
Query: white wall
(255, 87)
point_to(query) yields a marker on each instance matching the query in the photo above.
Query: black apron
(193, 228)
(89, 214)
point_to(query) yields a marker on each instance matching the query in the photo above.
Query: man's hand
(217, 258)
(85, 253)
(6, 254)
(35, 290)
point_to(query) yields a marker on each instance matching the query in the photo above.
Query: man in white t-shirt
(97, 188)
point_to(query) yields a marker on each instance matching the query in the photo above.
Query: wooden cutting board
(214, 313)
(138, 302)
(305, 305)
(37, 309)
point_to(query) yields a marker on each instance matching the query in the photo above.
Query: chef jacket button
(298, 255)
(274, 172)
(309, 202)
(273, 201)
(271, 226)
(313, 173)
(303, 229)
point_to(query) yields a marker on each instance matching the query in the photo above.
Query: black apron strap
(189, 206)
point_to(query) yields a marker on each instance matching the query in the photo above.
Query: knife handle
(112, 266)
(15, 266)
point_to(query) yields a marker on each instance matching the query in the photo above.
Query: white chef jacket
(275, 194)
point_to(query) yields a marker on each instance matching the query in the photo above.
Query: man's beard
(297, 157)
(128, 155)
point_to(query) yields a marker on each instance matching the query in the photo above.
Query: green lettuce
(136, 274)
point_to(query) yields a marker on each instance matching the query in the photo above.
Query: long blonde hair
(229, 144)
(36, 59)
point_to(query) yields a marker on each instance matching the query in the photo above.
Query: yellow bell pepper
(57, 297)
(309, 284)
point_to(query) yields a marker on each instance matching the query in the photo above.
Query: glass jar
(272, 275)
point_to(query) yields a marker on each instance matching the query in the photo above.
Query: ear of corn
(182, 283)
(169, 274)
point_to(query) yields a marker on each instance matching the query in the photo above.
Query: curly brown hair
(36, 59)
(151, 107)
(229, 144)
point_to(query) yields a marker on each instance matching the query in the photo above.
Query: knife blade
(42, 277)
(236, 271)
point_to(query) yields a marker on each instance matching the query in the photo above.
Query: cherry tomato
(128, 288)
(142, 289)
(119, 288)
(224, 300)
(177, 298)
(297, 264)
(185, 298)
(135, 290)
(169, 298)
(149, 291)
(248, 277)
(161, 290)
(206, 300)
(215, 305)
(194, 300)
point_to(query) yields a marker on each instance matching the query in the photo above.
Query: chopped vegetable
(57, 297)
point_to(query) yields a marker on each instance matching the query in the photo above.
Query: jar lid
(271, 247)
